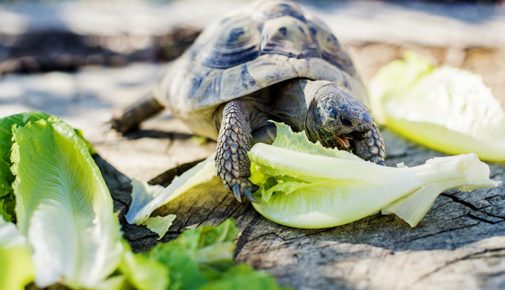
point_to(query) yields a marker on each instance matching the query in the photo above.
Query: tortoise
(271, 61)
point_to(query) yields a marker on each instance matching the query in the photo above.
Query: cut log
(460, 244)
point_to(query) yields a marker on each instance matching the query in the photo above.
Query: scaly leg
(372, 147)
(233, 143)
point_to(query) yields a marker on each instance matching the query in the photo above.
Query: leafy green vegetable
(447, 109)
(6, 178)
(145, 198)
(315, 191)
(15, 258)
(395, 79)
(243, 277)
(63, 206)
(202, 258)
(142, 195)
(160, 224)
(68, 234)
(464, 172)
(143, 273)
(288, 139)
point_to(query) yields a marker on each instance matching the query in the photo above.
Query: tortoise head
(336, 119)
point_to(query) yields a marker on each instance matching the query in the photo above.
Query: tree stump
(458, 245)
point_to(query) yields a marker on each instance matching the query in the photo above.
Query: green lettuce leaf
(6, 178)
(202, 258)
(395, 79)
(243, 277)
(147, 198)
(16, 264)
(446, 109)
(64, 210)
(305, 185)
(196, 254)
(63, 206)
(143, 273)
(301, 189)
(287, 139)
(160, 224)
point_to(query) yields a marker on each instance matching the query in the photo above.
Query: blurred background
(84, 60)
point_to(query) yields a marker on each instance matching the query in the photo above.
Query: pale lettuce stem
(460, 170)
(302, 164)
(437, 176)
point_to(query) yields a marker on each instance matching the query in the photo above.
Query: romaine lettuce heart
(302, 188)
(63, 206)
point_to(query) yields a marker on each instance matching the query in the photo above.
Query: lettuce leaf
(395, 79)
(301, 189)
(160, 224)
(6, 178)
(15, 258)
(242, 276)
(143, 273)
(67, 233)
(446, 109)
(63, 206)
(202, 258)
(146, 198)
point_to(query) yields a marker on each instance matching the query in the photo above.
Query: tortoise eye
(345, 121)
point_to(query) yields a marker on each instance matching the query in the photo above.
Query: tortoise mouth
(358, 136)
(346, 141)
(343, 142)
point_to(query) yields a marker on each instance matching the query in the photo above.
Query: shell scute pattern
(236, 43)
(246, 78)
(214, 87)
(197, 82)
(288, 36)
(250, 50)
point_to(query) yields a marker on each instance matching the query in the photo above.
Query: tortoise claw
(381, 162)
(236, 192)
(240, 191)
(249, 191)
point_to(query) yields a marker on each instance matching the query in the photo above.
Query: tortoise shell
(249, 50)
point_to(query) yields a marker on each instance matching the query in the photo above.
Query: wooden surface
(460, 244)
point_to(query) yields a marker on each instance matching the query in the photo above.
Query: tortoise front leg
(233, 143)
(372, 147)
